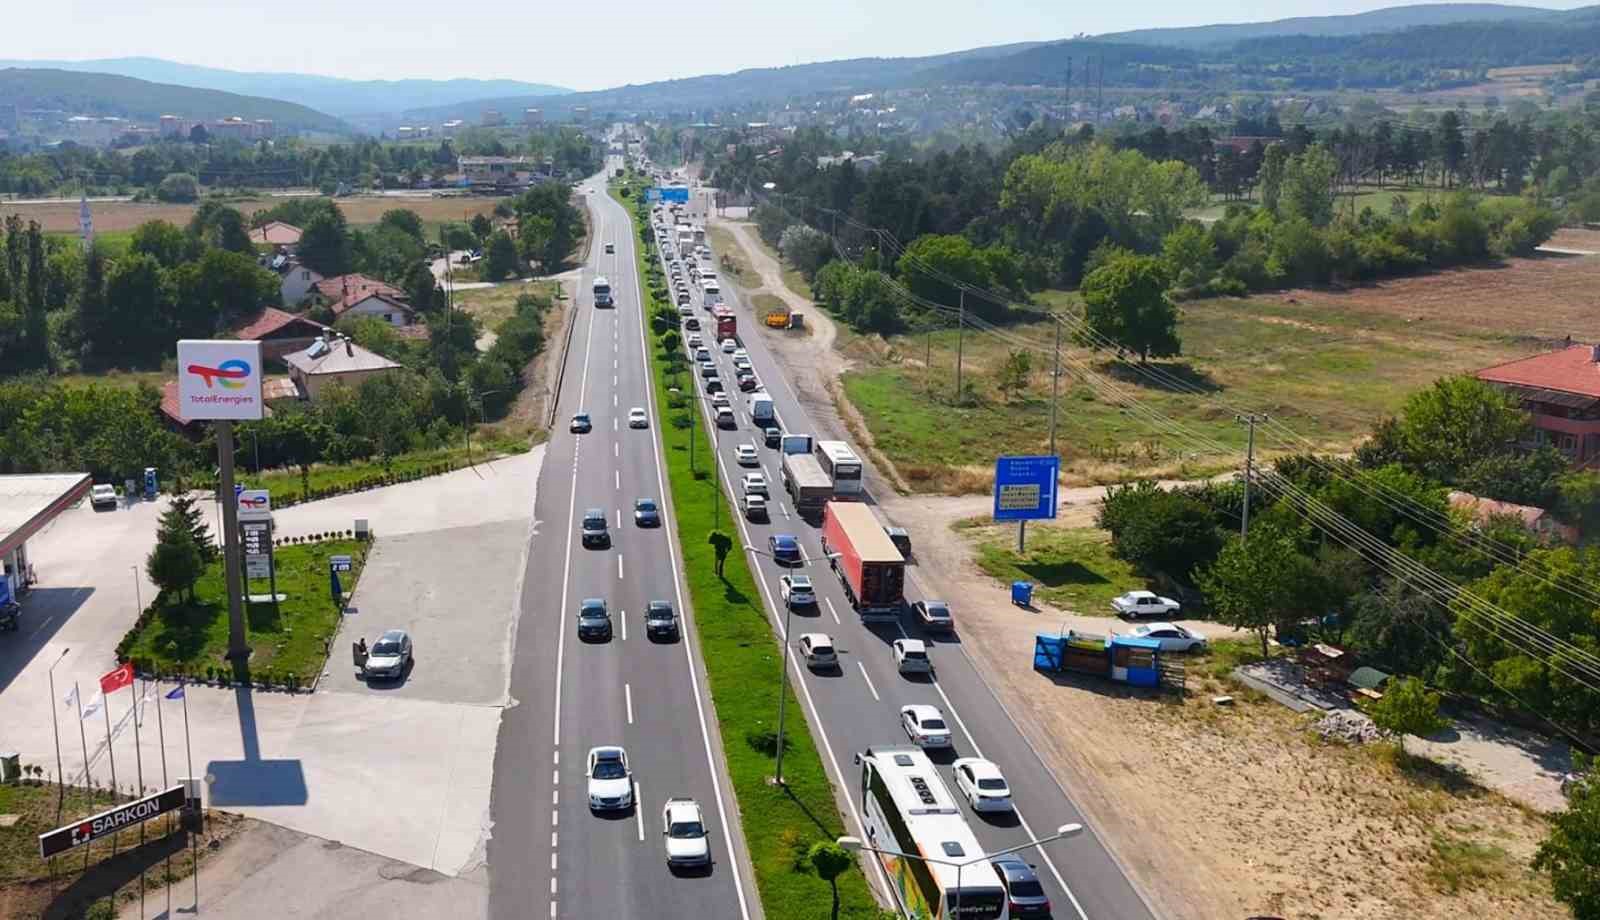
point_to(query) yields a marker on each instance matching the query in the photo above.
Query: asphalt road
(548, 854)
(858, 706)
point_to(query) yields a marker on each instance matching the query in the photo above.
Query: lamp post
(716, 462)
(854, 844)
(783, 681)
(476, 397)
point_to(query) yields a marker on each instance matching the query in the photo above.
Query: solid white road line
(627, 694)
(864, 676)
(834, 612)
(638, 811)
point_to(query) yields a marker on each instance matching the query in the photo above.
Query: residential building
(330, 361)
(496, 172)
(532, 116)
(296, 281)
(1561, 390)
(340, 287)
(449, 128)
(386, 307)
(279, 332)
(276, 233)
(1537, 521)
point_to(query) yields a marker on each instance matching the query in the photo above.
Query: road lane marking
(555, 778)
(627, 694)
(613, 379)
(555, 758)
(613, 401)
(864, 676)
(618, 474)
(555, 817)
(552, 909)
(552, 839)
(833, 611)
(619, 567)
(785, 509)
(622, 617)
(614, 425)
(552, 862)
(638, 811)
(552, 886)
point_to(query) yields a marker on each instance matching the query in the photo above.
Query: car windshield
(932, 725)
(938, 611)
(645, 504)
(591, 612)
(993, 785)
(800, 581)
(822, 648)
(386, 647)
(609, 769)
(686, 829)
(660, 612)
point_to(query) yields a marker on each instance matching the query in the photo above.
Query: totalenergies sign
(219, 379)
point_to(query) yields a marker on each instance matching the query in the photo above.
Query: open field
(1071, 567)
(492, 306)
(112, 216)
(730, 258)
(1326, 373)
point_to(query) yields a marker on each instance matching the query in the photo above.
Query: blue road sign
(652, 194)
(678, 193)
(1025, 488)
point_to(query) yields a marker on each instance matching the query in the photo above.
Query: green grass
(731, 259)
(492, 306)
(1324, 374)
(287, 486)
(289, 637)
(1456, 864)
(742, 666)
(1072, 567)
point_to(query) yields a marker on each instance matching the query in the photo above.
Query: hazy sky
(584, 45)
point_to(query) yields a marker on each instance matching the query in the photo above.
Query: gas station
(28, 503)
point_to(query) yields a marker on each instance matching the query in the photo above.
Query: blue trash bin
(1022, 593)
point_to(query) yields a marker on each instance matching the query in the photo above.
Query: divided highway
(858, 706)
(548, 854)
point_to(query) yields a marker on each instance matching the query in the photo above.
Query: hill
(110, 94)
(1390, 19)
(345, 98)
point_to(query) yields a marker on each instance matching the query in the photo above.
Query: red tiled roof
(1570, 370)
(276, 233)
(341, 286)
(269, 321)
(356, 297)
(169, 402)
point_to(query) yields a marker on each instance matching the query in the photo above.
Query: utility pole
(961, 324)
(927, 363)
(1250, 419)
(1055, 385)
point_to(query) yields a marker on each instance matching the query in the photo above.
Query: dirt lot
(1544, 298)
(112, 216)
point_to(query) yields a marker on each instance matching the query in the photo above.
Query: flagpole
(105, 707)
(138, 765)
(83, 739)
(61, 776)
(200, 817)
(161, 735)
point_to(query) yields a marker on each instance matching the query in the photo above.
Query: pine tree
(183, 520)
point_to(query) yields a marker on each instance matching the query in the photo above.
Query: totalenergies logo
(253, 502)
(229, 374)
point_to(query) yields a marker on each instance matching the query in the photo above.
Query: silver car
(389, 656)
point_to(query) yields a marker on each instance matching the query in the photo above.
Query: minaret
(85, 222)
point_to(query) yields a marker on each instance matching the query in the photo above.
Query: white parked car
(637, 418)
(925, 726)
(797, 590)
(683, 828)
(911, 656)
(103, 495)
(755, 483)
(983, 785)
(728, 346)
(1173, 638)
(817, 649)
(610, 780)
(1144, 604)
(746, 454)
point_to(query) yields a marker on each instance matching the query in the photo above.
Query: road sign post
(1025, 490)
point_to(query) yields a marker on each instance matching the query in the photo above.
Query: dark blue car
(785, 549)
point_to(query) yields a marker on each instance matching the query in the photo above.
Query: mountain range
(334, 95)
(1388, 19)
(109, 94)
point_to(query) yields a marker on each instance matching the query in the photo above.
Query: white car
(755, 507)
(925, 726)
(610, 780)
(637, 418)
(983, 785)
(728, 346)
(703, 355)
(739, 354)
(1144, 604)
(756, 483)
(797, 590)
(695, 341)
(725, 418)
(911, 656)
(103, 494)
(817, 649)
(719, 400)
(746, 454)
(742, 364)
(683, 828)
(1173, 638)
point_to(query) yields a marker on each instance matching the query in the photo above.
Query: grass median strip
(743, 666)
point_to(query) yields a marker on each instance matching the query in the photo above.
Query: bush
(179, 187)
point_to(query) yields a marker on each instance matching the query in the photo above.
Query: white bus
(907, 808)
(602, 292)
(842, 466)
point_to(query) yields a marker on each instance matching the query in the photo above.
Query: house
(496, 172)
(1538, 521)
(295, 280)
(390, 309)
(280, 333)
(330, 360)
(1561, 390)
(276, 233)
(273, 390)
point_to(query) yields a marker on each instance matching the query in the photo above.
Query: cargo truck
(806, 483)
(727, 324)
(872, 571)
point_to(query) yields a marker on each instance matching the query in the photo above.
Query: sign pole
(272, 568)
(161, 736)
(111, 752)
(238, 651)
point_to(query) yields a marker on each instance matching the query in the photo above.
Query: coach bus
(842, 466)
(908, 809)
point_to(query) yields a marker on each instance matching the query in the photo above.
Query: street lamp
(716, 461)
(783, 681)
(478, 397)
(854, 844)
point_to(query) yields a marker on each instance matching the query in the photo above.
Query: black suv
(594, 528)
(660, 621)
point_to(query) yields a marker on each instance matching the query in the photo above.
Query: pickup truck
(1137, 604)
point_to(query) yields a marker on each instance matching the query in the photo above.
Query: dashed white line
(627, 694)
(555, 797)
(552, 910)
(555, 758)
(616, 448)
(552, 862)
(619, 567)
(555, 817)
(785, 509)
(618, 474)
(869, 681)
(638, 811)
(613, 401)
(613, 379)
(614, 426)
(833, 611)
(622, 617)
(552, 885)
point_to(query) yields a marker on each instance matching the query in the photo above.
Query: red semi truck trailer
(727, 324)
(872, 570)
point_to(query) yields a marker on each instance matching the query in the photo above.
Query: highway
(858, 706)
(548, 854)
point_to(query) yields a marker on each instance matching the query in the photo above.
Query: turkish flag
(116, 680)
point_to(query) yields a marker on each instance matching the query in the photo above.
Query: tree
(1013, 377)
(163, 242)
(175, 566)
(482, 226)
(1571, 854)
(1126, 302)
(806, 248)
(1189, 254)
(1257, 582)
(422, 289)
(1308, 186)
(830, 861)
(178, 187)
(184, 518)
(35, 318)
(500, 261)
(1530, 478)
(1456, 422)
(1273, 162)
(1452, 147)
(325, 243)
(1159, 530)
(405, 220)
(139, 321)
(1408, 707)
(220, 226)
(932, 267)
(721, 544)
(220, 288)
